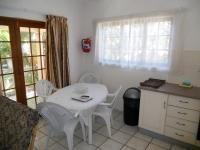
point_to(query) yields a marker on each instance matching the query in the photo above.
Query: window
(143, 42)
(22, 58)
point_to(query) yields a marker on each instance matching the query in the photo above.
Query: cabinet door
(153, 111)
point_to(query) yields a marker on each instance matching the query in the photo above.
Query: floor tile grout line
(129, 140)
(125, 144)
(114, 139)
(159, 145)
(105, 140)
(56, 142)
(149, 143)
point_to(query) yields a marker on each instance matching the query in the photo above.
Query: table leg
(90, 130)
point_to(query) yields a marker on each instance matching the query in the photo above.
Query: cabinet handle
(183, 101)
(180, 124)
(179, 134)
(182, 113)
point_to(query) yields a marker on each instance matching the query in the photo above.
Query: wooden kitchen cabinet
(153, 111)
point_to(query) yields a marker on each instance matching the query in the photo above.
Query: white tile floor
(123, 138)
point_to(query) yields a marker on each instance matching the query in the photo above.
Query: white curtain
(177, 46)
(139, 42)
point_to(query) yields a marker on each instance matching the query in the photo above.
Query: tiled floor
(123, 138)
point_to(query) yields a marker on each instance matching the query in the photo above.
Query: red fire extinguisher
(86, 45)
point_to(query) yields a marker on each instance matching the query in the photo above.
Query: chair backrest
(89, 78)
(115, 95)
(44, 88)
(55, 114)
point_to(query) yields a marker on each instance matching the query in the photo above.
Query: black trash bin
(131, 106)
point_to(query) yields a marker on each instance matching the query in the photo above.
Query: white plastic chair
(44, 88)
(104, 110)
(89, 78)
(60, 120)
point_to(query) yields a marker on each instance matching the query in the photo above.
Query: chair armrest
(110, 95)
(76, 115)
(104, 104)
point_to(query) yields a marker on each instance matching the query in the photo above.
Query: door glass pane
(24, 34)
(27, 62)
(28, 78)
(7, 66)
(26, 50)
(43, 35)
(5, 49)
(30, 92)
(37, 75)
(43, 48)
(35, 34)
(31, 103)
(11, 94)
(35, 49)
(4, 33)
(9, 81)
(36, 63)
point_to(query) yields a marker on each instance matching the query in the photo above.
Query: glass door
(33, 46)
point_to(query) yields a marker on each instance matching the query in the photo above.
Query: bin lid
(132, 93)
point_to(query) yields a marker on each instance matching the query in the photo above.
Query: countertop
(175, 89)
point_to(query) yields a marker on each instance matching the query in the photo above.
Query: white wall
(38, 9)
(113, 77)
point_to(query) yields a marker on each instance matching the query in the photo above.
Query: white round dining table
(63, 97)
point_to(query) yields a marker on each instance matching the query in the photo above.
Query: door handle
(182, 113)
(179, 134)
(183, 101)
(180, 124)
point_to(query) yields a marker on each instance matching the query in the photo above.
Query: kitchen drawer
(180, 135)
(182, 124)
(182, 113)
(184, 102)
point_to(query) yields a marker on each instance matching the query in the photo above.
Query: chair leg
(69, 132)
(108, 124)
(70, 140)
(93, 119)
(112, 120)
(47, 140)
(83, 129)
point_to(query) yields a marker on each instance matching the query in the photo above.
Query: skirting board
(168, 139)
